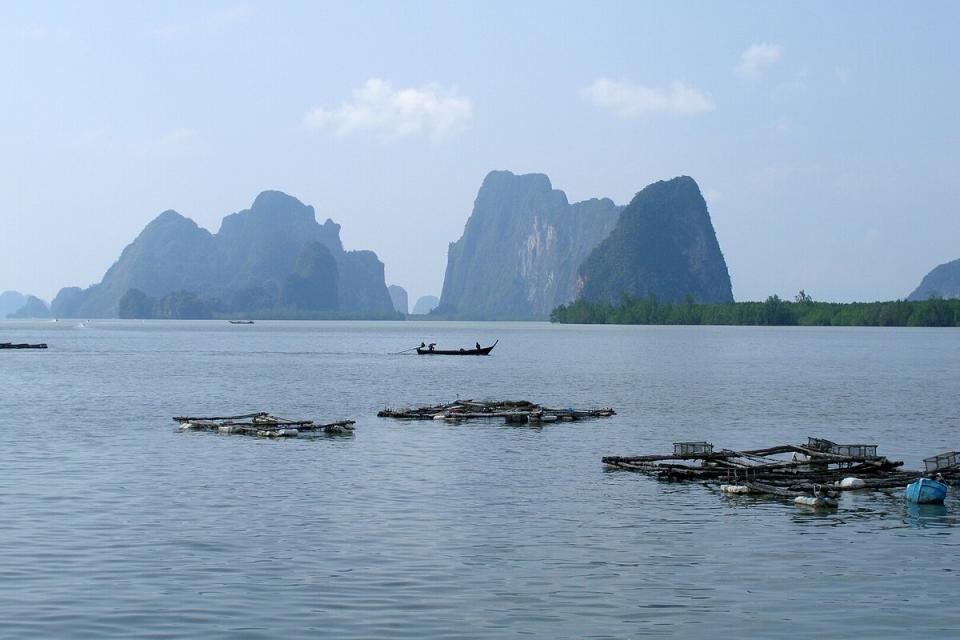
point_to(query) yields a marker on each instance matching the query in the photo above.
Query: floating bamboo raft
(263, 425)
(819, 468)
(516, 411)
(12, 345)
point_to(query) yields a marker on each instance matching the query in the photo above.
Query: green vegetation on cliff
(934, 312)
(176, 305)
(664, 245)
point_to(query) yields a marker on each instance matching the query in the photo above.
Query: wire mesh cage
(820, 444)
(855, 450)
(691, 448)
(942, 461)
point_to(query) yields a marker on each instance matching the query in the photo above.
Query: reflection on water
(116, 525)
(930, 515)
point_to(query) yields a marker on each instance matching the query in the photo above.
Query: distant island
(20, 306)
(273, 260)
(399, 298)
(32, 308)
(803, 311)
(11, 301)
(425, 304)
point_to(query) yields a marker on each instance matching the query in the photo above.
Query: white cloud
(756, 58)
(399, 112)
(627, 99)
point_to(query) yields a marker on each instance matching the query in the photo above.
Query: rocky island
(271, 260)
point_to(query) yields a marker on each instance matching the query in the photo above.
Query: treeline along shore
(934, 312)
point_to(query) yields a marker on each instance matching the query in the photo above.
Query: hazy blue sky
(824, 136)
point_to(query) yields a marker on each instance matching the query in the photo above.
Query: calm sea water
(113, 524)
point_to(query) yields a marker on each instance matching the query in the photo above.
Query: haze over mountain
(398, 295)
(664, 245)
(425, 304)
(10, 301)
(271, 260)
(520, 249)
(943, 281)
(32, 308)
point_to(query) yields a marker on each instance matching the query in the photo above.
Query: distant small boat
(241, 321)
(11, 345)
(926, 491)
(482, 351)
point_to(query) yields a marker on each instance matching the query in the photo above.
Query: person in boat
(478, 346)
(423, 345)
(432, 345)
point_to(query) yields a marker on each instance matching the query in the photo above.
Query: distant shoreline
(934, 312)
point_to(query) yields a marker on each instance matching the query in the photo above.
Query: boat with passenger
(431, 350)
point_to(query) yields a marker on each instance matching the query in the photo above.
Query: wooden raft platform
(516, 411)
(23, 345)
(262, 424)
(820, 466)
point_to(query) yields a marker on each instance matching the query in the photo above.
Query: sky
(824, 136)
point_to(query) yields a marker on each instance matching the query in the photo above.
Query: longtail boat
(482, 351)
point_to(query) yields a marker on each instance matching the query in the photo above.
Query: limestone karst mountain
(664, 245)
(398, 295)
(943, 281)
(11, 301)
(520, 249)
(526, 250)
(273, 260)
(33, 308)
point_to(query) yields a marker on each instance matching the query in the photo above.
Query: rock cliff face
(943, 281)
(664, 245)
(272, 256)
(398, 295)
(520, 249)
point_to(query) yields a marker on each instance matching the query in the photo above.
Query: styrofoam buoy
(815, 501)
(852, 483)
(734, 488)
